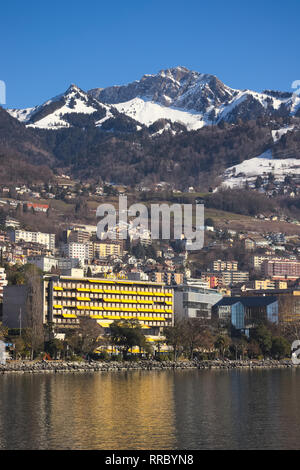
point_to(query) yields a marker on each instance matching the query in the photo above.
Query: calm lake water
(151, 410)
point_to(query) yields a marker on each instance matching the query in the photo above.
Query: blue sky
(46, 46)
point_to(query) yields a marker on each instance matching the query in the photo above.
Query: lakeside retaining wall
(97, 366)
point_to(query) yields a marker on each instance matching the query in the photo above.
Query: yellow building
(67, 299)
(269, 284)
(103, 249)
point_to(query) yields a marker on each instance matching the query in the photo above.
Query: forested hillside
(118, 152)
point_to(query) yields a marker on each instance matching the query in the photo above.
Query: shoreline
(106, 366)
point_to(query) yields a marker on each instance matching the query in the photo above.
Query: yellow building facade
(67, 299)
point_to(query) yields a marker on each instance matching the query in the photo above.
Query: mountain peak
(73, 88)
(178, 68)
(176, 86)
(177, 94)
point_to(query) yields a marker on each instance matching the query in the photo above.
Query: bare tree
(34, 332)
(195, 331)
(87, 337)
(175, 337)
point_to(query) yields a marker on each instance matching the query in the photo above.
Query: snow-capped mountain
(64, 111)
(177, 94)
(193, 98)
(177, 87)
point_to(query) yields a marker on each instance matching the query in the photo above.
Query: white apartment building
(80, 251)
(3, 281)
(46, 263)
(47, 239)
(201, 283)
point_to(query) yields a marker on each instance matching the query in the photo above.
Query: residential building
(106, 248)
(67, 263)
(257, 285)
(255, 241)
(77, 236)
(46, 239)
(267, 284)
(33, 249)
(3, 281)
(37, 207)
(219, 265)
(80, 251)
(281, 269)
(167, 277)
(45, 263)
(211, 280)
(197, 282)
(256, 261)
(227, 278)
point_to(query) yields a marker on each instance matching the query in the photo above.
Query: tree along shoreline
(107, 366)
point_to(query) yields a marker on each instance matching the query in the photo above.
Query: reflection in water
(239, 409)
(131, 410)
(151, 410)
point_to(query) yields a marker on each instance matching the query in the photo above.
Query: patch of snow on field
(237, 175)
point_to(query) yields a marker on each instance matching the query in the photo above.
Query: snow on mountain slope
(176, 94)
(277, 134)
(237, 175)
(177, 87)
(23, 115)
(181, 89)
(249, 98)
(55, 113)
(147, 112)
(295, 105)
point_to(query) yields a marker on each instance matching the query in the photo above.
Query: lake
(133, 410)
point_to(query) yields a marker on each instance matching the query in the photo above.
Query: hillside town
(241, 279)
